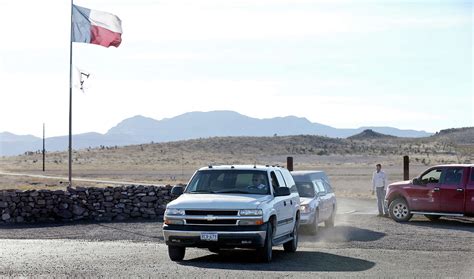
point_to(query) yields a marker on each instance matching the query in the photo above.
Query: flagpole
(70, 101)
(44, 150)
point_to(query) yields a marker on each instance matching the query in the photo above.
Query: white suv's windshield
(229, 181)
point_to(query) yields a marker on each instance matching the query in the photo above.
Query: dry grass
(348, 163)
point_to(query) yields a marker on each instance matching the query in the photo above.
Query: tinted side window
(472, 174)
(280, 179)
(328, 187)
(316, 188)
(274, 181)
(290, 182)
(453, 176)
(320, 186)
(431, 176)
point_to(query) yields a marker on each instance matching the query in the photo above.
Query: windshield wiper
(201, 192)
(232, 191)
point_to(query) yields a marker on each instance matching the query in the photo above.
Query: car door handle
(291, 202)
(459, 189)
(284, 203)
(436, 189)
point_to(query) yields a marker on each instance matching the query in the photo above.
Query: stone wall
(98, 204)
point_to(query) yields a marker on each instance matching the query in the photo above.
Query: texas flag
(95, 27)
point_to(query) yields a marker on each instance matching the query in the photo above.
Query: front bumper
(307, 218)
(189, 236)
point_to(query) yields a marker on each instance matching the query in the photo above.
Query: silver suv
(225, 207)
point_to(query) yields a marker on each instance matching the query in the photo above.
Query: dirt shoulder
(357, 226)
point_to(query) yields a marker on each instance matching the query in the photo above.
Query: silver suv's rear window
(229, 181)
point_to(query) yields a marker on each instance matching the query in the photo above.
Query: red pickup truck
(445, 190)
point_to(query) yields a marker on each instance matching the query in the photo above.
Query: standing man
(379, 184)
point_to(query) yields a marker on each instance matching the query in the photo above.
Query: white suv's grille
(212, 212)
(211, 222)
(211, 217)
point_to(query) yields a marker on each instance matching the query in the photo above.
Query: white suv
(234, 207)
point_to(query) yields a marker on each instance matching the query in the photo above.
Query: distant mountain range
(140, 129)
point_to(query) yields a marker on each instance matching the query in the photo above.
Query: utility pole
(44, 150)
(182, 165)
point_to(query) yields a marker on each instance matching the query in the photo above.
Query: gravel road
(361, 245)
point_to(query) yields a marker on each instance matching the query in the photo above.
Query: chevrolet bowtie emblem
(211, 218)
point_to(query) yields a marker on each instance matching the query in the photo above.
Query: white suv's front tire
(176, 253)
(265, 253)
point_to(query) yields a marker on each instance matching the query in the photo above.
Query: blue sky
(406, 64)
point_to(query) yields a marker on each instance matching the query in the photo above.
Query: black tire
(176, 253)
(292, 245)
(329, 223)
(399, 210)
(433, 217)
(265, 253)
(215, 249)
(314, 228)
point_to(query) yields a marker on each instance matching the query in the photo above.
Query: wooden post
(406, 168)
(289, 163)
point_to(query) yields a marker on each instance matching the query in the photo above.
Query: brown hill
(233, 150)
(164, 162)
(461, 136)
(370, 134)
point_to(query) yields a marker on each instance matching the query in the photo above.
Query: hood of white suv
(219, 201)
(304, 201)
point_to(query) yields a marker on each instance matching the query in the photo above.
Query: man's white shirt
(379, 179)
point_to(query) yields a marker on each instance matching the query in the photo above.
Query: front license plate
(209, 236)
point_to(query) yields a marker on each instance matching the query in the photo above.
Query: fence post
(406, 167)
(289, 163)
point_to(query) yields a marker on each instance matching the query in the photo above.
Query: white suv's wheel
(314, 228)
(176, 253)
(329, 223)
(265, 253)
(292, 245)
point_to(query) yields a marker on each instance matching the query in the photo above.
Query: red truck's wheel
(399, 210)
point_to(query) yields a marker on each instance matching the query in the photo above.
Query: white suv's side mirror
(282, 191)
(177, 190)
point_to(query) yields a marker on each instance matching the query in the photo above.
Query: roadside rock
(100, 204)
(77, 210)
(65, 214)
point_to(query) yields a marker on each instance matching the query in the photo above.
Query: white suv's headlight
(250, 212)
(174, 211)
(305, 208)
